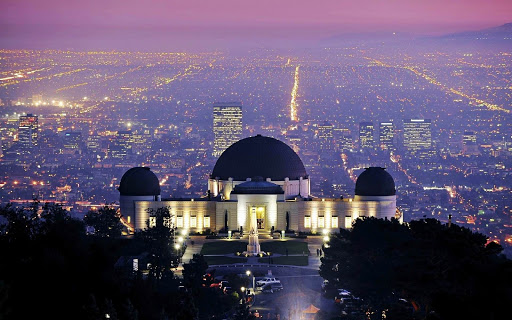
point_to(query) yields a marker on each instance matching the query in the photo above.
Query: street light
(248, 273)
(177, 246)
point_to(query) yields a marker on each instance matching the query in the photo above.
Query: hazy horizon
(197, 24)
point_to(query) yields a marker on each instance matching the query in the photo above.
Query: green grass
(213, 260)
(292, 260)
(223, 247)
(294, 247)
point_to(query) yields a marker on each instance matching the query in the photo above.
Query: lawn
(223, 247)
(294, 247)
(213, 260)
(284, 260)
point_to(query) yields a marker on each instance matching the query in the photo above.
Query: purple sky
(326, 17)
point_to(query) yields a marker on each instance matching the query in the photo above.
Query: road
(301, 288)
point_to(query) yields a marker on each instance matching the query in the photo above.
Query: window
(206, 222)
(179, 222)
(193, 222)
(307, 222)
(334, 222)
(168, 222)
(152, 222)
(348, 222)
(321, 222)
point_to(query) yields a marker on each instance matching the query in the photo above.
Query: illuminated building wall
(227, 125)
(291, 188)
(189, 214)
(307, 216)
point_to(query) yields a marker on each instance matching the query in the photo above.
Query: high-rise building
(418, 137)
(227, 125)
(28, 131)
(469, 146)
(366, 136)
(73, 141)
(325, 136)
(343, 139)
(386, 135)
(93, 143)
(122, 145)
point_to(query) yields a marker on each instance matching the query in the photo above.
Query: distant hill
(503, 32)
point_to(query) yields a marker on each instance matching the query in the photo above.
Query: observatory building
(262, 176)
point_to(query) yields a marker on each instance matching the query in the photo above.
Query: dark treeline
(420, 270)
(51, 268)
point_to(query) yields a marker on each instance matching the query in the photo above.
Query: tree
(43, 249)
(128, 311)
(105, 221)
(158, 241)
(187, 309)
(436, 268)
(194, 271)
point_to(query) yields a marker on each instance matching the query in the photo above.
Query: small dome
(259, 156)
(375, 181)
(139, 181)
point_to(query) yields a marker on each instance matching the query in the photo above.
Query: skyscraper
(343, 138)
(366, 136)
(122, 145)
(28, 131)
(418, 137)
(73, 141)
(386, 135)
(325, 136)
(469, 146)
(227, 125)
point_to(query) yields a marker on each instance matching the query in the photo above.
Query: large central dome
(259, 156)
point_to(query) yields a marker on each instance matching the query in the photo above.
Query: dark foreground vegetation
(51, 268)
(420, 270)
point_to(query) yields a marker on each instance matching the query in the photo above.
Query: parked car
(272, 287)
(267, 280)
(342, 294)
(224, 284)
